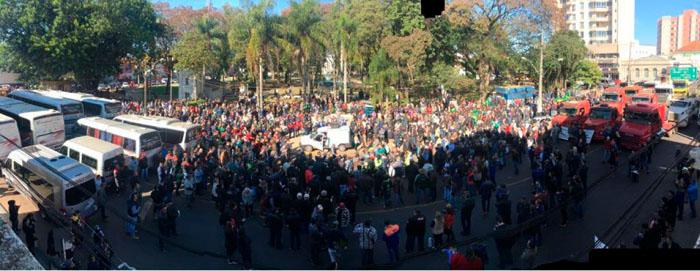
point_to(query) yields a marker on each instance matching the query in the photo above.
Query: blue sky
(647, 12)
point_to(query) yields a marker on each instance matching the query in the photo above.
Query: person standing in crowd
(133, 208)
(367, 238)
(101, 199)
(231, 240)
(245, 248)
(13, 209)
(163, 227)
(29, 229)
(391, 238)
(438, 229)
(294, 224)
(415, 231)
(466, 213)
(275, 224)
(692, 197)
(486, 191)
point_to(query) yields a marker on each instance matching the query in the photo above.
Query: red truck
(631, 91)
(572, 113)
(615, 97)
(602, 117)
(643, 122)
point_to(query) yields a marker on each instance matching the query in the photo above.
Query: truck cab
(645, 97)
(631, 91)
(664, 91)
(602, 118)
(327, 137)
(615, 98)
(572, 113)
(642, 123)
(681, 111)
(680, 89)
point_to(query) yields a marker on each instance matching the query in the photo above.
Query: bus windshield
(150, 141)
(662, 90)
(82, 192)
(113, 108)
(70, 109)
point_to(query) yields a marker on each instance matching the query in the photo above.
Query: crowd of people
(437, 149)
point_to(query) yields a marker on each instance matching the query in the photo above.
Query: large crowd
(249, 163)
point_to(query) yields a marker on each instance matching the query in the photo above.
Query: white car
(327, 138)
(125, 84)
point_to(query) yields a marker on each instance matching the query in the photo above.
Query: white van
(51, 179)
(99, 155)
(326, 138)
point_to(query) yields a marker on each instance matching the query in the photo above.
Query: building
(688, 55)
(650, 68)
(607, 57)
(674, 32)
(600, 21)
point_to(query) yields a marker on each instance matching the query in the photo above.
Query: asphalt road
(200, 242)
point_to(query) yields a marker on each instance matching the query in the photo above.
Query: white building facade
(600, 21)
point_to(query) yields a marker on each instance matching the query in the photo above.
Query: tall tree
(303, 25)
(382, 75)
(408, 53)
(564, 53)
(372, 26)
(483, 23)
(404, 16)
(81, 39)
(263, 35)
(588, 72)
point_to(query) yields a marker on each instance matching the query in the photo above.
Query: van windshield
(80, 193)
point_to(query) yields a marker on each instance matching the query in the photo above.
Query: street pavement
(200, 244)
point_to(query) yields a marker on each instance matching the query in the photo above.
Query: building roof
(693, 47)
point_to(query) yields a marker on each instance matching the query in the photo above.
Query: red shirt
(459, 262)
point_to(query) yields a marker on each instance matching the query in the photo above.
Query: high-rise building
(674, 32)
(600, 21)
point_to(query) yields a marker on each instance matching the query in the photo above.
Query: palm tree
(263, 37)
(345, 35)
(304, 29)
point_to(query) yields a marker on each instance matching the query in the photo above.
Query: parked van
(51, 179)
(102, 157)
(136, 141)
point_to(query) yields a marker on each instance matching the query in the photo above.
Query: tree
(588, 72)
(263, 36)
(442, 46)
(85, 40)
(193, 51)
(372, 24)
(382, 74)
(481, 23)
(563, 54)
(447, 76)
(303, 27)
(404, 16)
(408, 52)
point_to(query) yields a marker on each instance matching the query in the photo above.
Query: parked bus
(172, 131)
(36, 125)
(51, 179)
(136, 141)
(92, 105)
(9, 139)
(71, 110)
(102, 157)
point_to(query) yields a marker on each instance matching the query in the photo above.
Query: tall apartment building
(674, 32)
(600, 21)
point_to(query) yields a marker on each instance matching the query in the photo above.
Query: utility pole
(541, 74)
(145, 89)
(170, 82)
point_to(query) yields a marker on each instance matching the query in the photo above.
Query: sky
(647, 12)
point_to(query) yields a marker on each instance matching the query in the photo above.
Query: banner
(564, 133)
(589, 135)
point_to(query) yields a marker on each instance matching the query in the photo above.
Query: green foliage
(563, 54)
(404, 16)
(382, 74)
(588, 72)
(443, 74)
(193, 52)
(81, 39)
(442, 47)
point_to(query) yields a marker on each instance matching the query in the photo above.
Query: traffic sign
(689, 73)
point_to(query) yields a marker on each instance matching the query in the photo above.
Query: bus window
(63, 150)
(80, 193)
(129, 144)
(171, 136)
(38, 184)
(92, 109)
(150, 141)
(89, 161)
(75, 155)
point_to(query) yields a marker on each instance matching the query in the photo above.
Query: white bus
(10, 136)
(51, 179)
(37, 125)
(102, 157)
(172, 131)
(136, 141)
(71, 110)
(92, 105)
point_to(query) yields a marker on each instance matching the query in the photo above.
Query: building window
(580, 5)
(636, 73)
(656, 73)
(646, 73)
